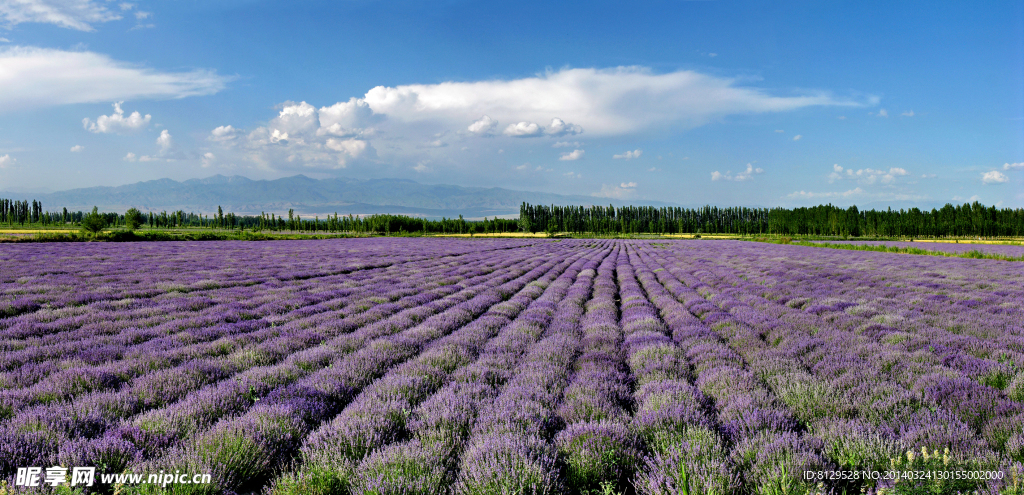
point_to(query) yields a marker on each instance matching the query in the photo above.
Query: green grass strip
(972, 254)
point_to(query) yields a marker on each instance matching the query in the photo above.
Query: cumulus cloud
(797, 137)
(908, 113)
(130, 157)
(994, 177)
(6, 161)
(350, 147)
(867, 175)
(629, 155)
(627, 185)
(349, 118)
(208, 159)
(745, 175)
(575, 155)
(421, 167)
(559, 127)
(223, 133)
(71, 14)
(883, 113)
(77, 148)
(603, 101)
(164, 141)
(573, 175)
(524, 129)
(117, 122)
(484, 126)
(41, 77)
(1013, 166)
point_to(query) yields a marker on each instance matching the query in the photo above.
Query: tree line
(967, 220)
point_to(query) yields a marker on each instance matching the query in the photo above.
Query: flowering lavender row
(348, 452)
(1015, 250)
(71, 418)
(881, 416)
(297, 415)
(511, 366)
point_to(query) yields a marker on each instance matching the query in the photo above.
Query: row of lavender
(524, 367)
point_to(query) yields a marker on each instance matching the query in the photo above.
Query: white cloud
(1013, 166)
(615, 192)
(994, 177)
(524, 129)
(6, 161)
(813, 195)
(4, 40)
(77, 148)
(421, 167)
(627, 185)
(745, 175)
(712, 55)
(779, 130)
(117, 122)
(130, 157)
(908, 113)
(883, 113)
(140, 15)
(603, 101)
(126, 6)
(72, 14)
(164, 141)
(348, 118)
(629, 155)
(971, 199)
(559, 127)
(867, 175)
(485, 125)
(654, 169)
(797, 137)
(567, 144)
(148, 158)
(223, 133)
(41, 77)
(841, 117)
(573, 175)
(575, 155)
(350, 147)
(208, 159)
(523, 166)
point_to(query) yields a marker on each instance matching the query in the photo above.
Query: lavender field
(511, 366)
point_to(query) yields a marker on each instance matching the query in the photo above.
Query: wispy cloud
(908, 113)
(42, 77)
(629, 155)
(797, 137)
(71, 14)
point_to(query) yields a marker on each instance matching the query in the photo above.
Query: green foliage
(133, 219)
(94, 222)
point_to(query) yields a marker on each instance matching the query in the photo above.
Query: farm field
(420, 365)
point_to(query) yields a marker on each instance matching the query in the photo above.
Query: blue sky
(720, 102)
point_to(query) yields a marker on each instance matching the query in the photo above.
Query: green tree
(94, 222)
(133, 219)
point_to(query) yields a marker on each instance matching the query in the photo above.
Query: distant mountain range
(307, 197)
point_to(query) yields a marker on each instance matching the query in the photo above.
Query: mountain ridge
(308, 196)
